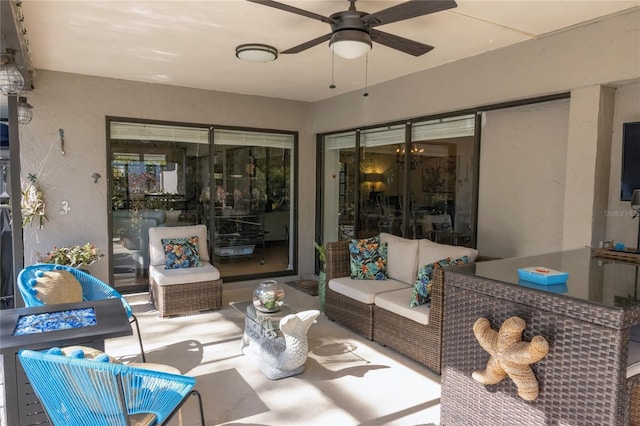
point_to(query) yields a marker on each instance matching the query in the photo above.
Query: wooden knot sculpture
(510, 355)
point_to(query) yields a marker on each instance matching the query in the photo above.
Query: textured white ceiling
(192, 43)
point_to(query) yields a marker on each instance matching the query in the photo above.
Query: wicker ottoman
(184, 298)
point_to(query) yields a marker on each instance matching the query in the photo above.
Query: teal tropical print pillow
(368, 260)
(181, 252)
(421, 293)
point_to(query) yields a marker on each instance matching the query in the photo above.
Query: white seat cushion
(398, 302)
(430, 252)
(364, 291)
(206, 272)
(402, 258)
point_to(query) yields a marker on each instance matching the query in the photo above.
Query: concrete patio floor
(348, 380)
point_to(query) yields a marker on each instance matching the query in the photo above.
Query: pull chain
(366, 76)
(333, 57)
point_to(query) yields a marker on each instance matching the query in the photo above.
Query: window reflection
(240, 187)
(418, 188)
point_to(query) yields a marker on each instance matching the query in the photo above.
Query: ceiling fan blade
(304, 46)
(407, 10)
(295, 10)
(400, 43)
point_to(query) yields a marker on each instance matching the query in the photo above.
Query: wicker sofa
(379, 310)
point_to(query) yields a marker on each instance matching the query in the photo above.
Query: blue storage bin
(553, 288)
(543, 276)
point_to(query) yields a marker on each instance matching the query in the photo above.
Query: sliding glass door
(414, 179)
(238, 183)
(252, 204)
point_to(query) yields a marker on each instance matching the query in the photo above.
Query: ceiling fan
(352, 31)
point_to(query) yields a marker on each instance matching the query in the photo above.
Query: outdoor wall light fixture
(11, 79)
(25, 111)
(255, 52)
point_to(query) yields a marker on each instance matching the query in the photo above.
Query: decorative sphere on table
(268, 296)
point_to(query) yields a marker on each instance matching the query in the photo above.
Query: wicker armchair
(182, 291)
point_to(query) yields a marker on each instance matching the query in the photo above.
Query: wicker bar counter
(587, 324)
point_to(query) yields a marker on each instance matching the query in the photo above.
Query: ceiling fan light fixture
(255, 52)
(350, 44)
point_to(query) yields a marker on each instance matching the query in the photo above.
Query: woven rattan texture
(338, 260)
(355, 315)
(634, 403)
(186, 299)
(420, 342)
(582, 378)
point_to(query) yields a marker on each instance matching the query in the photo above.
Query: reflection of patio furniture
(345, 232)
(447, 236)
(391, 217)
(435, 225)
(237, 235)
(184, 290)
(134, 227)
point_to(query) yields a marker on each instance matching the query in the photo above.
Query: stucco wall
(521, 187)
(78, 105)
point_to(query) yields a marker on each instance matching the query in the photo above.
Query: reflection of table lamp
(635, 205)
(373, 179)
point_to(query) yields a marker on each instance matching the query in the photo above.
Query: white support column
(587, 166)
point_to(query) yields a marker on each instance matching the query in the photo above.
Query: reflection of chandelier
(414, 156)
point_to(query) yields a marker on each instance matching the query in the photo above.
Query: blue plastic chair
(78, 391)
(92, 289)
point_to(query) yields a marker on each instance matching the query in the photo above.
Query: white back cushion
(156, 234)
(402, 258)
(432, 252)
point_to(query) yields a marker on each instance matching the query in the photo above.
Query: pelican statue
(285, 355)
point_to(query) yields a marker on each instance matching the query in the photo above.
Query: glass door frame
(406, 172)
(293, 175)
